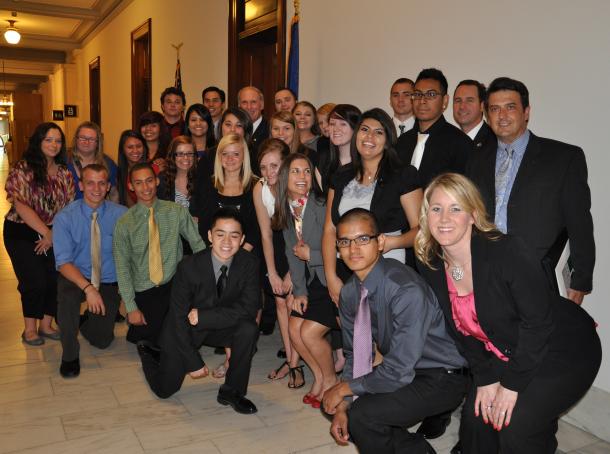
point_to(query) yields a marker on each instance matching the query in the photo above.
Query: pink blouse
(465, 317)
(46, 200)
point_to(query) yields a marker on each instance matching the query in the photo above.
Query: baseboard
(592, 413)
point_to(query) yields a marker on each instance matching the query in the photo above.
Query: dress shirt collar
(518, 145)
(257, 123)
(375, 276)
(87, 210)
(217, 263)
(140, 208)
(474, 131)
(438, 124)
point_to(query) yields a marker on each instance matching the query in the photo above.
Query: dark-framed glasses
(429, 95)
(361, 240)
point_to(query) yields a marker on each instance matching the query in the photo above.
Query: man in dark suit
(433, 145)
(535, 188)
(468, 108)
(214, 301)
(251, 99)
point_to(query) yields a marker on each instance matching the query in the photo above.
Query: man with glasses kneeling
(421, 374)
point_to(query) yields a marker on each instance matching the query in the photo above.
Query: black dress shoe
(147, 349)
(239, 403)
(457, 449)
(434, 426)
(70, 369)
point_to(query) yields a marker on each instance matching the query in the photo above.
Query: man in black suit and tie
(536, 188)
(468, 108)
(214, 300)
(433, 145)
(252, 100)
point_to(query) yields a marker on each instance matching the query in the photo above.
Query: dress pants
(378, 422)
(153, 303)
(165, 378)
(561, 380)
(36, 274)
(97, 329)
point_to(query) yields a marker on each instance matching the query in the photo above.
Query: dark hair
(271, 145)
(94, 168)
(141, 166)
(165, 137)
(474, 83)
(434, 74)
(351, 114)
(294, 95)
(171, 171)
(286, 117)
(243, 118)
(123, 164)
(315, 128)
(35, 158)
(227, 213)
(220, 92)
(280, 218)
(506, 83)
(403, 80)
(389, 160)
(173, 91)
(359, 214)
(204, 113)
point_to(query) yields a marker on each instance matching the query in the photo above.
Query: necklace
(457, 271)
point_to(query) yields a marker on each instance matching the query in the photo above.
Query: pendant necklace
(457, 271)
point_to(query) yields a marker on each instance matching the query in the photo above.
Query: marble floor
(110, 409)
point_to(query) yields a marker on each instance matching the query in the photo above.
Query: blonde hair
(286, 117)
(98, 154)
(247, 177)
(468, 197)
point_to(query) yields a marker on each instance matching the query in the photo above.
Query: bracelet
(86, 287)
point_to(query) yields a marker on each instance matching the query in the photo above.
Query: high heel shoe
(293, 377)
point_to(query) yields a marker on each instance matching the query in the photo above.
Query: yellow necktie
(96, 262)
(155, 266)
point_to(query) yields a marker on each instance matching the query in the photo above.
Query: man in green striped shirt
(145, 279)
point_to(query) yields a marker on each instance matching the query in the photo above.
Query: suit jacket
(313, 223)
(513, 306)
(258, 136)
(484, 134)
(194, 286)
(447, 150)
(550, 196)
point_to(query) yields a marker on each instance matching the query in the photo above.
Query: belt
(112, 284)
(460, 371)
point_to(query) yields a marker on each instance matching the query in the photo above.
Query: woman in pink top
(532, 353)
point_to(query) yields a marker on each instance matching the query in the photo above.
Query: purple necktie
(363, 338)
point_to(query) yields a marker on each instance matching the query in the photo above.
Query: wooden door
(27, 114)
(95, 107)
(141, 83)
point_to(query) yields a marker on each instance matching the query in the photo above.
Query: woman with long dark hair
(154, 130)
(38, 187)
(132, 150)
(300, 214)
(199, 127)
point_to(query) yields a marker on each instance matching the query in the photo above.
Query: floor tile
(571, 438)
(121, 441)
(600, 447)
(16, 437)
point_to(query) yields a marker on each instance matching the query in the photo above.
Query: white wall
(200, 25)
(351, 51)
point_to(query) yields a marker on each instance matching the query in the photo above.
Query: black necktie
(402, 129)
(222, 281)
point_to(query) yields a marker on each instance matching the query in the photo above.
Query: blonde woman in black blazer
(532, 353)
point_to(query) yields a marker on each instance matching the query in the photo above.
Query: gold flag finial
(177, 47)
(297, 7)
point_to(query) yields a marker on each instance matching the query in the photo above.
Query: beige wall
(200, 25)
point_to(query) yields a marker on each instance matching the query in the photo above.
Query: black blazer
(550, 196)
(447, 150)
(514, 308)
(258, 136)
(194, 286)
(484, 134)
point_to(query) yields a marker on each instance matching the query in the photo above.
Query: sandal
(275, 375)
(293, 377)
(220, 371)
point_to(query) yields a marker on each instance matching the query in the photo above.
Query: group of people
(409, 263)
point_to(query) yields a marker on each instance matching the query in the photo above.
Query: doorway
(95, 107)
(141, 84)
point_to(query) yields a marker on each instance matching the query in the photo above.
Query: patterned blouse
(45, 200)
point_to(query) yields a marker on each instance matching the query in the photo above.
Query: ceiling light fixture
(12, 35)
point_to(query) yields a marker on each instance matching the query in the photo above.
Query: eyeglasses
(184, 154)
(87, 139)
(429, 95)
(361, 240)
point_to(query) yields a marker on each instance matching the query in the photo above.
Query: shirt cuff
(130, 306)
